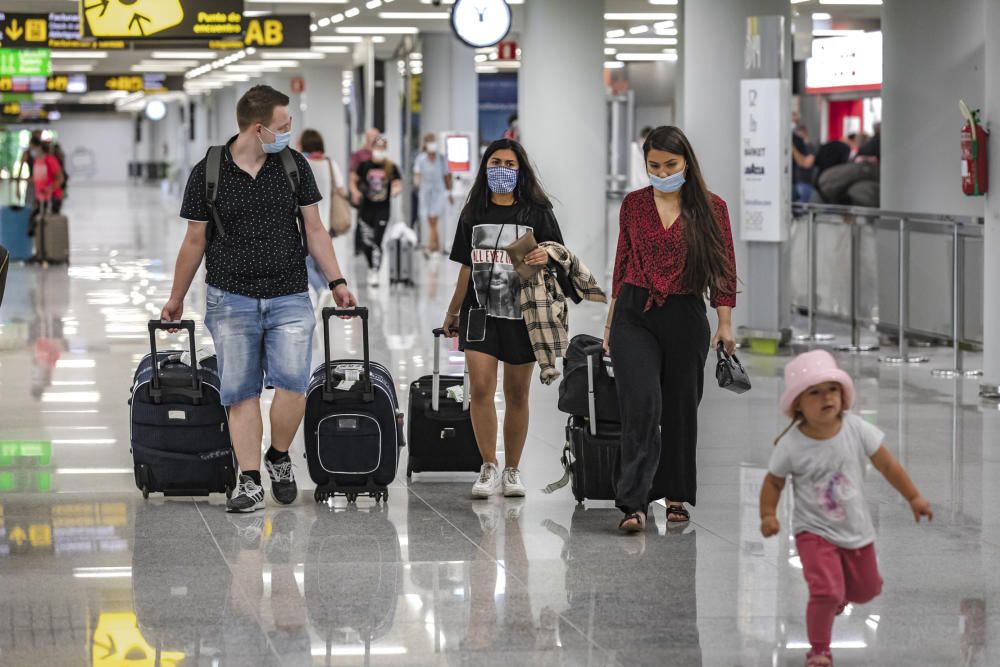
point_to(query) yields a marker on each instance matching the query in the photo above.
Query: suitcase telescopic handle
(436, 376)
(155, 391)
(593, 352)
(365, 382)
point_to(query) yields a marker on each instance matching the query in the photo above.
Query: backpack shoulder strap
(291, 169)
(213, 170)
(292, 172)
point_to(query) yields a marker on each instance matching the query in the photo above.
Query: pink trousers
(835, 576)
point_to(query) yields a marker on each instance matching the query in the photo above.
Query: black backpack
(213, 170)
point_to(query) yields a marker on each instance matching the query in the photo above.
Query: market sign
(163, 19)
(24, 62)
(146, 82)
(54, 30)
(56, 83)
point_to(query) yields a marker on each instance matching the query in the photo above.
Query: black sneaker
(249, 496)
(283, 487)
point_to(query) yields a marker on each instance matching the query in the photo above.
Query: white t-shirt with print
(828, 481)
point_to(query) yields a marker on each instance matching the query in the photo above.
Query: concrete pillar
(565, 134)
(991, 242)
(712, 42)
(450, 95)
(321, 108)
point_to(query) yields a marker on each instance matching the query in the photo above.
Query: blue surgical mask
(281, 142)
(671, 183)
(501, 180)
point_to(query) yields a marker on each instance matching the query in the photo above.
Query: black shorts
(506, 340)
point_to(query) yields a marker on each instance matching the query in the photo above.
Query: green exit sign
(24, 62)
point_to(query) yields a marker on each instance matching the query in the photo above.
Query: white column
(563, 116)
(991, 242)
(713, 40)
(450, 85)
(321, 108)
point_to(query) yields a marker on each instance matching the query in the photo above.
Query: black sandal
(678, 509)
(637, 527)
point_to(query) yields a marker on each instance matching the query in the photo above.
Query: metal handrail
(863, 215)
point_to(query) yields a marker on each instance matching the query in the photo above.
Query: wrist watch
(334, 284)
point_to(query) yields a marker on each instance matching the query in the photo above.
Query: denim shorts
(260, 342)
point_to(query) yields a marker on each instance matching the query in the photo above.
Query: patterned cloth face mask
(501, 180)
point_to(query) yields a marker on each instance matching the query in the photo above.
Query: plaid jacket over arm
(543, 306)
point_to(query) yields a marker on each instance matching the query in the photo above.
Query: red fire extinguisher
(975, 155)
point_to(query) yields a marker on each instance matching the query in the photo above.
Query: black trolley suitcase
(590, 456)
(353, 426)
(179, 427)
(440, 435)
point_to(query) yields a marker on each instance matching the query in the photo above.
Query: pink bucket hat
(810, 369)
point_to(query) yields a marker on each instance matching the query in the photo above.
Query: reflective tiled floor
(92, 574)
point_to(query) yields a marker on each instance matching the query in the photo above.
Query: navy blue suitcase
(353, 425)
(180, 430)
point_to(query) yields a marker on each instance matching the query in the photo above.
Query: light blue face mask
(671, 183)
(281, 142)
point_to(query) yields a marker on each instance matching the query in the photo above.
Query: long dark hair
(528, 190)
(707, 267)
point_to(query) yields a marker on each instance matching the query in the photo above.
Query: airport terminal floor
(90, 573)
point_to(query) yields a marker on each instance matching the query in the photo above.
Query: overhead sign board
(19, 111)
(147, 82)
(851, 62)
(163, 19)
(54, 30)
(24, 62)
(56, 83)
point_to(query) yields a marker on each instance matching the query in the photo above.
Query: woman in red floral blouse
(675, 246)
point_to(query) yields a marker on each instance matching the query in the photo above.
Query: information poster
(24, 62)
(764, 174)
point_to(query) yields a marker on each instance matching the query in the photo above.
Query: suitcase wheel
(320, 496)
(352, 497)
(229, 492)
(145, 492)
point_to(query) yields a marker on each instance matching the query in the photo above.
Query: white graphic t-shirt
(828, 481)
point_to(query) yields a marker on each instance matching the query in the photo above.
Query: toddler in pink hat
(824, 452)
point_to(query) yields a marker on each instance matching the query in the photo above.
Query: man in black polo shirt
(258, 308)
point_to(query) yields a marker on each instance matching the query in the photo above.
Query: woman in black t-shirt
(505, 202)
(373, 185)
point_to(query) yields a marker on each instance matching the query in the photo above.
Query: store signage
(24, 62)
(763, 162)
(135, 83)
(851, 62)
(163, 19)
(56, 83)
(54, 30)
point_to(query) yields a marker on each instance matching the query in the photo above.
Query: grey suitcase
(53, 237)
(401, 252)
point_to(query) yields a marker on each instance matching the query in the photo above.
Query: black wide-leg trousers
(659, 360)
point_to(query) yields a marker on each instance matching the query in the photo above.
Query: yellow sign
(40, 535)
(119, 643)
(135, 18)
(267, 32)
(17, 535)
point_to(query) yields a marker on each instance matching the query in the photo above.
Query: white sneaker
(373, 278)
(489, 482)
(512, 487)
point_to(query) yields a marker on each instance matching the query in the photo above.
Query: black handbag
(730, 372)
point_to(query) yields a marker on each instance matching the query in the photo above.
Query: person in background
(513, 132)
(825, 451)
(25, 160)
(638, 177)
(329, 181)
(675, 245)
(373, 184)
(871, 150)
(46, 175)
(506, 201)
(803, 161)
(364, 153)
(832, 153)
(430, 175)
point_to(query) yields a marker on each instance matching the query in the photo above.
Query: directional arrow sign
(18, 536)
(14, 31)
